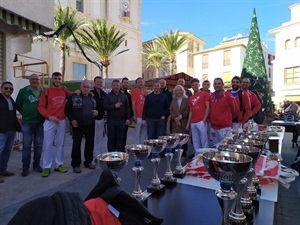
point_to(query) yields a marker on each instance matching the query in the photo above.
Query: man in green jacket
(32, 123)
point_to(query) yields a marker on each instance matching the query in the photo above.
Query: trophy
(179, 172)
(140, 152)
(157, 146)
(249, 196)
(172, 142)
(230, 169)
(114, 161)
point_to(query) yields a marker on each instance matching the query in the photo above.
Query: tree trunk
(156, 72)
(105, 72)
(62, 66)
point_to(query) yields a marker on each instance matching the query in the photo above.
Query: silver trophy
(249, 196)
(230, 169)
(114, 161)
(157, 146)
(179, 172)
(140, 152)
(172, 142)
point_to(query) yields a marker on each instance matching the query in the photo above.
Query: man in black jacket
(81, 112)
(8, 127)
(99, 95)
(116, 105)
(124, 89)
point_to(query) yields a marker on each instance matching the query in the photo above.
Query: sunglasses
(8, 88)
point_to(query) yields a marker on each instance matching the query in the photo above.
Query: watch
(125, 5)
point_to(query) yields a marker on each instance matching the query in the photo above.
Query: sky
(212, 20)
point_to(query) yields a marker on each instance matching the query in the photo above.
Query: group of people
(207, 116)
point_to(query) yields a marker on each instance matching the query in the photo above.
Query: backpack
(259, 117)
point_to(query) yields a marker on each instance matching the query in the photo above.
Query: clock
(125, 5)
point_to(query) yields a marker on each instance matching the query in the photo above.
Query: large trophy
(179, 172)
(230, 169)
(172, 142)
(249, 196)
(114, 161)
(157, 146)
(140, 152)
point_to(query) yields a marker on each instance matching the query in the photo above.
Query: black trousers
(78, 132)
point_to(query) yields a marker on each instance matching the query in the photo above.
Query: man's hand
(163, 117)
(74, 123)
(54, 119)
(144, 123)
(187, 127)
(118, 104)
(127, 122)
(94, 113)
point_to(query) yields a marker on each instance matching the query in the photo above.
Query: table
(291, 127)
(187, 204)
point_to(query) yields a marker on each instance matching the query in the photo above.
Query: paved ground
(18, 190)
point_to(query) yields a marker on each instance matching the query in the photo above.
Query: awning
(13, 19)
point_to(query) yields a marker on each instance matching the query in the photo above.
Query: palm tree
(103, 39)
(155, 56)
(171, 43)
(65, 15)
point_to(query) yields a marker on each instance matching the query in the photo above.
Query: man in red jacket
(255, 103)
(52, 107)
(242, 100)
(222, 110)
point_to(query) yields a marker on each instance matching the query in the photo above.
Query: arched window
(297, 42)
(287, 44)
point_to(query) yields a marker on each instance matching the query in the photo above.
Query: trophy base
(179, 175)
(168, 181)
(250, 215)
(152, 189)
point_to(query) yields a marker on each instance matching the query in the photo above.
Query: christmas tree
(254, 66)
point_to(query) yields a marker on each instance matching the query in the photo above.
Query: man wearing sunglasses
(8, 126)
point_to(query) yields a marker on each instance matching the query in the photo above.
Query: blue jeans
(156, 128)
(6, 144)
(115, 135)
(32, 132)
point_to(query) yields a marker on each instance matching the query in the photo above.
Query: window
(227, 79)
(297, 42)
(79, 71)
(226, 58)
(292, 75)
(287, 44)
(204, 61)
(79, 5)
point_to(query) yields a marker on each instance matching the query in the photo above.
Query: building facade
(286, 80)
(125, 14)
(19, 21)
(226, 60)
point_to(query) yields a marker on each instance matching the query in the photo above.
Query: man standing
(242, 101)
(138, 96)
(164, 89)
(52, 107)
(8, 126)
(118, 114)
(222, 111)
(99, 96)
(199, 109)
(255, 103)
(32, 124)
(155, 112)
(124, 89)
(181, 82)
(81, 111)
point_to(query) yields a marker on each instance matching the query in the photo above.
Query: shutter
(1, 57)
